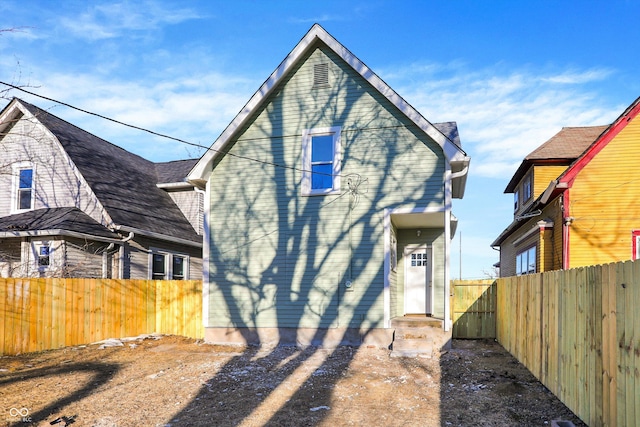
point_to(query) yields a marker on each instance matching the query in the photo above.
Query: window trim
(635, 244)
(36, 247)
(307, 137)
(15, 186)
(168, 263)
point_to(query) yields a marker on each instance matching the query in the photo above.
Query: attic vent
(321, 75)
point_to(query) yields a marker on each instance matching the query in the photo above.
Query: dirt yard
(173, 381)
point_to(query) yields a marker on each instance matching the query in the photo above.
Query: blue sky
(510, 73)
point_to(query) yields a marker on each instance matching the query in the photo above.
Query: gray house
(75, 205)
(328, 207)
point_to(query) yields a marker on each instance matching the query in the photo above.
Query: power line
(239, 156)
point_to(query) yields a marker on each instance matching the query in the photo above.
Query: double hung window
(321, 161)
(169, 266)
(23, 193)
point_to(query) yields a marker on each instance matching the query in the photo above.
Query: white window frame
(529, 257)
(307, 138)
(36, 248)
(15, 190)
(516, 200)
(168, 263)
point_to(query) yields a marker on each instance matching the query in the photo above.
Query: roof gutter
(57, 232)
(159, 236)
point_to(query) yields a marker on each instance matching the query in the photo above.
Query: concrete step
(413, 345)
(416, 322)
(418, 336)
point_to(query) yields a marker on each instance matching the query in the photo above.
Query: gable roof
(124, 183)
(456, 157)
(562, 148)
(611, 132)
(55, 221)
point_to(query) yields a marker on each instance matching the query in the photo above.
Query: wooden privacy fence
(473, 310)
(43, 314)
(578, 332)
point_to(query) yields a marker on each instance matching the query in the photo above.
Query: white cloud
(105, 21)
(503, 115)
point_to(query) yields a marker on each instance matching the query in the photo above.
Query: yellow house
(588, 213)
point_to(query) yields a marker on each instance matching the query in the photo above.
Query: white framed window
(42, 255)
(321, 161)
(516, 200)
(166, 265)
(23, 194)
(526, 261)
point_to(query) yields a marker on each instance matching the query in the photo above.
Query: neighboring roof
(450, 130)
(587, 142)
(176, 171)
(563, 148)
(65, 221)
(452, 151)
(124, 183)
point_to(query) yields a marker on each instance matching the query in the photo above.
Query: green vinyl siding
(279, 259)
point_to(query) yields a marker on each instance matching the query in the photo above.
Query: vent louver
(321, 75)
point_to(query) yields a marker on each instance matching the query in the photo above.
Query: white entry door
(417, 280)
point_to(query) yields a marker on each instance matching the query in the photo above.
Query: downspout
(458, 174)
(121, 254)
(105, 259)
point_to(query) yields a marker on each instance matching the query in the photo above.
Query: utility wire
(239, 156)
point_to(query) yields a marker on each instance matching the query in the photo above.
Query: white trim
(201, 171)
(448, 196)
(307, 137)
(206, 247)
(386, 291)
(388, 212)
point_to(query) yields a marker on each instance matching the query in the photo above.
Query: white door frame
(428, 303)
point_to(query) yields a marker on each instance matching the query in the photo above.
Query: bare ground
(174, 381)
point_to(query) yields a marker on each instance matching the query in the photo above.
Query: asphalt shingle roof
(124, 183)
(569, 143)
(562, 148)
(69, 219)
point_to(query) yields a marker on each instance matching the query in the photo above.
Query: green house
(328, 207)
